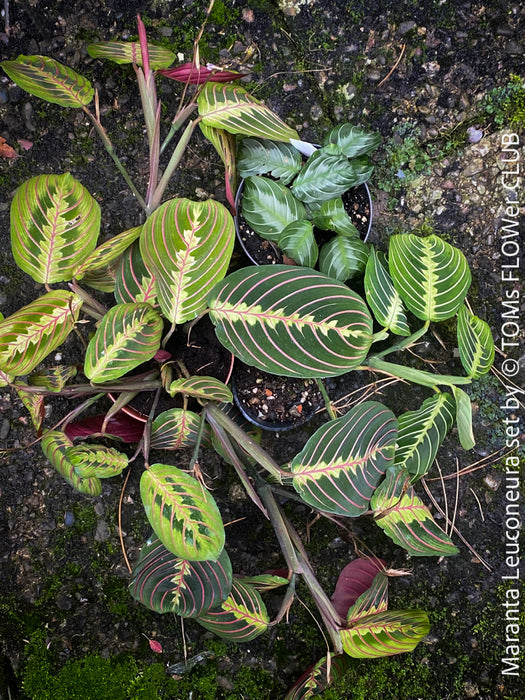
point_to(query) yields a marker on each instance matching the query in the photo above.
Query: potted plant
(286, 320)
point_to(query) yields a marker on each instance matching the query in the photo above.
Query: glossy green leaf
(344, 258)
(269, 207)
(182, 513)
(291, 321)
(31, 333)
(127, 336)
(316, 679)
(50, 80)
(406, 520)
(342, 463)
(374, 600)
(175, 429)
(107, 253)
(476, 346)
(187, 246)
(323, 177)
(55, 224)
(431, 276)
(133, 281)
(96, 460)
(54, 378)
(261, 157)
(385, 634)
(55, 445)
(352, 141)
(332, 216)
(241, 618)
(421, 433)
(231, 108)
(102, 279)
(165, 583)
(297, 240)
(464, 418)
(123, 52)
(382, 296)
(201, 387)
(265, 582)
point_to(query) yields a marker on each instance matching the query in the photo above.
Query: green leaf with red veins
(106, 254)
(55, 224)
(201, 387)
(319, 677)
(123, 52)
(133, 281)
(176, 428)
(55, 445)
(187, 246)
(385, 633)
(182, 513)
(96, 460)
(127, 336)
(31, 333)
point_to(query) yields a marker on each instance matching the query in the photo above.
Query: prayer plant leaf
(53, 378)
(187, 246)
(225, 145)
(107, 253)
(177, 428)
(342, 463)
(182, 513)
(96, 460)
(34, 331)
(129, 52)
(316, 679)
(165, 583)
(133, 281)
(325, 176)
(231, 108)
(127, 336)
(55, 224)
(343, 258)
(266, 582)
(352, 141)
(55, 446)
(202, 387)
(421, 433)
(297, 240)
(269, 207)
(261, 157)
(431, 276)
(382, 296)
(291, 321)
(241, 618)
(50, 80)
(332, 216)
(464, 418)
(406, 520)
(34, 403)
(476, 346)
(353, 581)
(373, 600)
(385, 634)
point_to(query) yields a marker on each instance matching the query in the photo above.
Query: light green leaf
(182, 513)
(261, 157)
(268, 207)
(175, 429)
(382, 296)
(201, 387)
(385, 634)
(107, 253)
(476, 346)
(133, 281)
(352, 141)
(332, 216)
(325, 176)
(464, 418)
(96, 460)
(55, 224)
(55, 445)
(344, 258)
(123, 52)
(297, 240)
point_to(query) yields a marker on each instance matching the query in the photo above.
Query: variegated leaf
(421, 433)
(96, 460)
(332, 216)
(231, 108)
(225, 145)
(353, 581)
(128, 335)
(344, 258)
(269, 207)
(373, 600)
(317, 678)
(50, 80)
(187, 245)
(5, 378)
(53, 378)
(102, 279)
(262, 156)
(182, 513)
(325, 176)
(55, 224)
(165, 583)
(385, 634)
(265, 582)
(352, 141)
(297, 240)
(123, 52)
(476, 346)
(431, 276)
(291, 321)
(133, 281)
(202, 387)
(107, 253)
(342, 463)
(241, 618)
(464, 418)
(31, 333)
(382, 296)
(55, 445)
(34, 404)
(175, 429)
(406, 520)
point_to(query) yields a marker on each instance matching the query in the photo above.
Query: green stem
(327, 402)
(416, 376)
(405, 342)
(280, 527)
(177, 122)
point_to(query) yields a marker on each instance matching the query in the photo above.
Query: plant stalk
(413, 375)
(404, 342)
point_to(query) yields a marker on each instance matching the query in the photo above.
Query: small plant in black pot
(312, 212)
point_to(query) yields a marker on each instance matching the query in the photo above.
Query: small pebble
(69, 518)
